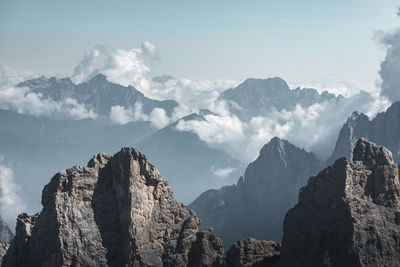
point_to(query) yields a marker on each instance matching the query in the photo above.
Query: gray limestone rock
(118, 211)
(348, 215)
(383, 130)
(250, 252)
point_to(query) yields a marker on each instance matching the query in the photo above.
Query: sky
(300, 41)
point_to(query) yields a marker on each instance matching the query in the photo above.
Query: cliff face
(117, 211)
(348, 215)
(383, 130)
(257, 204)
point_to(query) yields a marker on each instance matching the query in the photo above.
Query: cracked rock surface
(117, 211)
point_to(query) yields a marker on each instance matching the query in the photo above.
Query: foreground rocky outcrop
(257, 204)
(117, 211)
(250, 252)
(348, 215)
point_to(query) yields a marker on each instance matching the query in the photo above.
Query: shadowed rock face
(383, 130)
(348, 215)
(118, 211)
(257, 204)
(250, 252)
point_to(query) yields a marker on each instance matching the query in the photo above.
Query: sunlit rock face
(117, 211)
(347, 215)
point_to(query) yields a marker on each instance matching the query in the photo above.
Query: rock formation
(383, 130)
(117, 211)
(348, 215)
(257, 204)
(250, 252)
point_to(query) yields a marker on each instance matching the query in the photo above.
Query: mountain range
(118, 211)
(256, 205)
(98, 94)
(256, 97)
(383, 130)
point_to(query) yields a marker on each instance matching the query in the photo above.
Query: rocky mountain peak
(351, 210)
(117, 211)
(99, 78)
(371, 154)
(257, 204)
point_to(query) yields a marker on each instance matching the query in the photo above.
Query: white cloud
(122, 115)
(22, 101)
(123, 66)
(390, 66)
(214, 129)
(196, 94)
(11, 203)
(150, 49)
(314, 128)
(158, 117)
(222, 172)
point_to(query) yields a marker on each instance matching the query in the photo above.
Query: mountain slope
(257, 204)
(348, 215)
(383, 130)
(187, 162)
(97, 94)
(255, 97)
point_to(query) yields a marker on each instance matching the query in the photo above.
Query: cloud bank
(11, 203)
(23, 101)
(390, 66)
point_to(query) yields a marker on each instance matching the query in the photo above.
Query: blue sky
(300, 41)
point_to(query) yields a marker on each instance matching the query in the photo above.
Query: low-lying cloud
(222, 172)
(314, 128)
(11, 203)
(23, 101)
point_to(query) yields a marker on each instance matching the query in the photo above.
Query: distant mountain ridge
(383, 130)
(255, 97)
(257, 204)
(98, 94)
